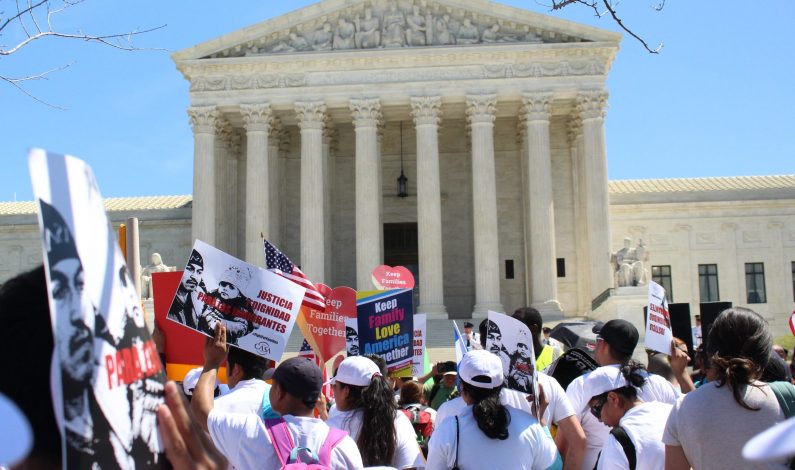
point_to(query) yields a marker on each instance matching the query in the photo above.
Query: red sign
(792, 322)
(386, 278)
(328, 328)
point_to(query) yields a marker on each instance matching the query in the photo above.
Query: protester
(636, 438)
(412, 403)
(443, 386)
(616, 342)
(696, 332)
(366, 409)
(471, 339)
(708, 427)
(781, 351)
(191, 379)
(245, 440)
(245, 374)
(487, 434)
(548, 340)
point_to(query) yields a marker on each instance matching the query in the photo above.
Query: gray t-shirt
(711, 427)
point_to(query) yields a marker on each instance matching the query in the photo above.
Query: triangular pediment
(351, 25)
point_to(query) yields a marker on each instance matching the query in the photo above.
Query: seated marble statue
(367, 30)
(442, 33)
(415, 35)
(323, 38)
(468, 33)
(394, 27)
(157, 266)
(344, 36)
(629, 264)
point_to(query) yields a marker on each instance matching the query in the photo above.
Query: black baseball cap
(621, 335)
(468, 324)
(300, 377)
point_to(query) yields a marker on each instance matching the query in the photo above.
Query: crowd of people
(620, 415)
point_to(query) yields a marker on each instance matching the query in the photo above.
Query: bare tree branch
(29, 18)
(629, 31)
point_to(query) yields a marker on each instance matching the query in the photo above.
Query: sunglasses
(596, 408)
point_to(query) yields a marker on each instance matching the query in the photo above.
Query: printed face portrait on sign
(512, 342)
(109, 380)
(351, 336)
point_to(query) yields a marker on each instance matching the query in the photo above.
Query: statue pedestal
(627, 304)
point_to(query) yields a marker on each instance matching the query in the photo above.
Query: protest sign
(107, 379)
(184, 347)
(512, 341)
(386, 278)
(325, 331)
(418, 358)
(352, 336)
(792, 322)
(386, 327)
(658, 321)
(257, 307)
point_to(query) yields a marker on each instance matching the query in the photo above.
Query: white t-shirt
(644, 425)
(656, 388)
(559, 405)
(407, 452)
(245, 397)
(527, 446)
(244, 441)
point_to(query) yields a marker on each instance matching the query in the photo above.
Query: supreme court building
(492, 117)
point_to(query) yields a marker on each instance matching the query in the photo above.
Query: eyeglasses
(596, 408)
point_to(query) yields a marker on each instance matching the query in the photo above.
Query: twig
(629, 31)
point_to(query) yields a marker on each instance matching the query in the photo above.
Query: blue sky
(718, 100)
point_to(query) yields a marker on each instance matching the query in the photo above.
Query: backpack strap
(626, 443)
(280, 437)
(455, 465)
(434, 391)
(334, 437)
(785, 394)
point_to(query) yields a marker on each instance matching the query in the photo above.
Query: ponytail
(377, 437)
(736, 372)
(492, 417)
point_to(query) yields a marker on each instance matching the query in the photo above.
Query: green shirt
(441, 396)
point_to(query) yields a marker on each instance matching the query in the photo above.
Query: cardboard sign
(418, 359)
(658, 321)
(386, 278)
(386, 327)
(512, 341)
(105, 365)
(328, 328)
(257, 307)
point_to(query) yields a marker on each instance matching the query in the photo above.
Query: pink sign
(386, 278)
(328, 328)
(792, 322)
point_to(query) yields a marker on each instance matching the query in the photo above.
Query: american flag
(277, 262)
(307, 352)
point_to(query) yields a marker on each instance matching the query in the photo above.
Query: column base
(434, 311)
(550, 310)
(481, 310)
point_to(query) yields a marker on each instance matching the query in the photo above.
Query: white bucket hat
(356, 370)
(15, 433)
(487, 367)
(774, 444)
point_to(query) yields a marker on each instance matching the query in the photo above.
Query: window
(755, 283)
(708, 282)
(662, 276)
(561, 265)
(509, 269)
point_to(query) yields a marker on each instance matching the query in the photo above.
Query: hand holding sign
(386, 277)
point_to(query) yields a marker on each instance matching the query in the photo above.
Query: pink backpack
(291, 456)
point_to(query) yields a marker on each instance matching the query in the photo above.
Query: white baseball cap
(486, 366)
(774, 444)
(356, 370)
(603, 379)
(15, 433)
(190, 380)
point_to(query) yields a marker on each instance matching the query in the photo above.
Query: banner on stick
(658, 321)
(386, 327)
(327, 328)
(418, 359)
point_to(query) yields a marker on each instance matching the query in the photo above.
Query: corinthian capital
(257, 117)
(592, 104)
(223, 130)
(481, 108)
(426, 110)
(311, 114)
(366, 112)
(535, 106)
(202, 119)
(573, 128)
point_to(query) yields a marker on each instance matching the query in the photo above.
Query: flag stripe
(280, 264)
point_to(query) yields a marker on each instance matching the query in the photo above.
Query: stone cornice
(311, 114)
(592, 104)
(366, 112)
(481, 109)
(257, 117)
(426, 110)
(203, 119)
(536, 106)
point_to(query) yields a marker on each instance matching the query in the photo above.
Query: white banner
(658, 321)
(418, 360)
(107, 379)
(257, 307)
(512, 341)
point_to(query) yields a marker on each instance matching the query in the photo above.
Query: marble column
(225, 187)
(329, 142)
(257, 119)
(426, 111)
(574, 139)
(202, 119)
(311, 117)
(369, 249)
(274, 233)
(540, 213)
(480, 112)
(591, 106)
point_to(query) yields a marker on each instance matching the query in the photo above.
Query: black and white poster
(257, 307)
(512, 341)
(107, 379)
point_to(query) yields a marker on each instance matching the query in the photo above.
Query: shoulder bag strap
(785, 394)
(626, 443)
(281, 438)
(455, 465)
(334, 437)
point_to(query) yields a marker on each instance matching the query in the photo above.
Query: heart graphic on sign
(328, 328)
(792, 322)
(386, 278)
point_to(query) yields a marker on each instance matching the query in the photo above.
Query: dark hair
(410, 393)
(483, 330)
(377, 437)
(254, 367)
(530, 317)
(25, 315)
(492, 417)
(776, 370)
(660, 365)
(380, 362)
(635, 374)
(739, 347)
